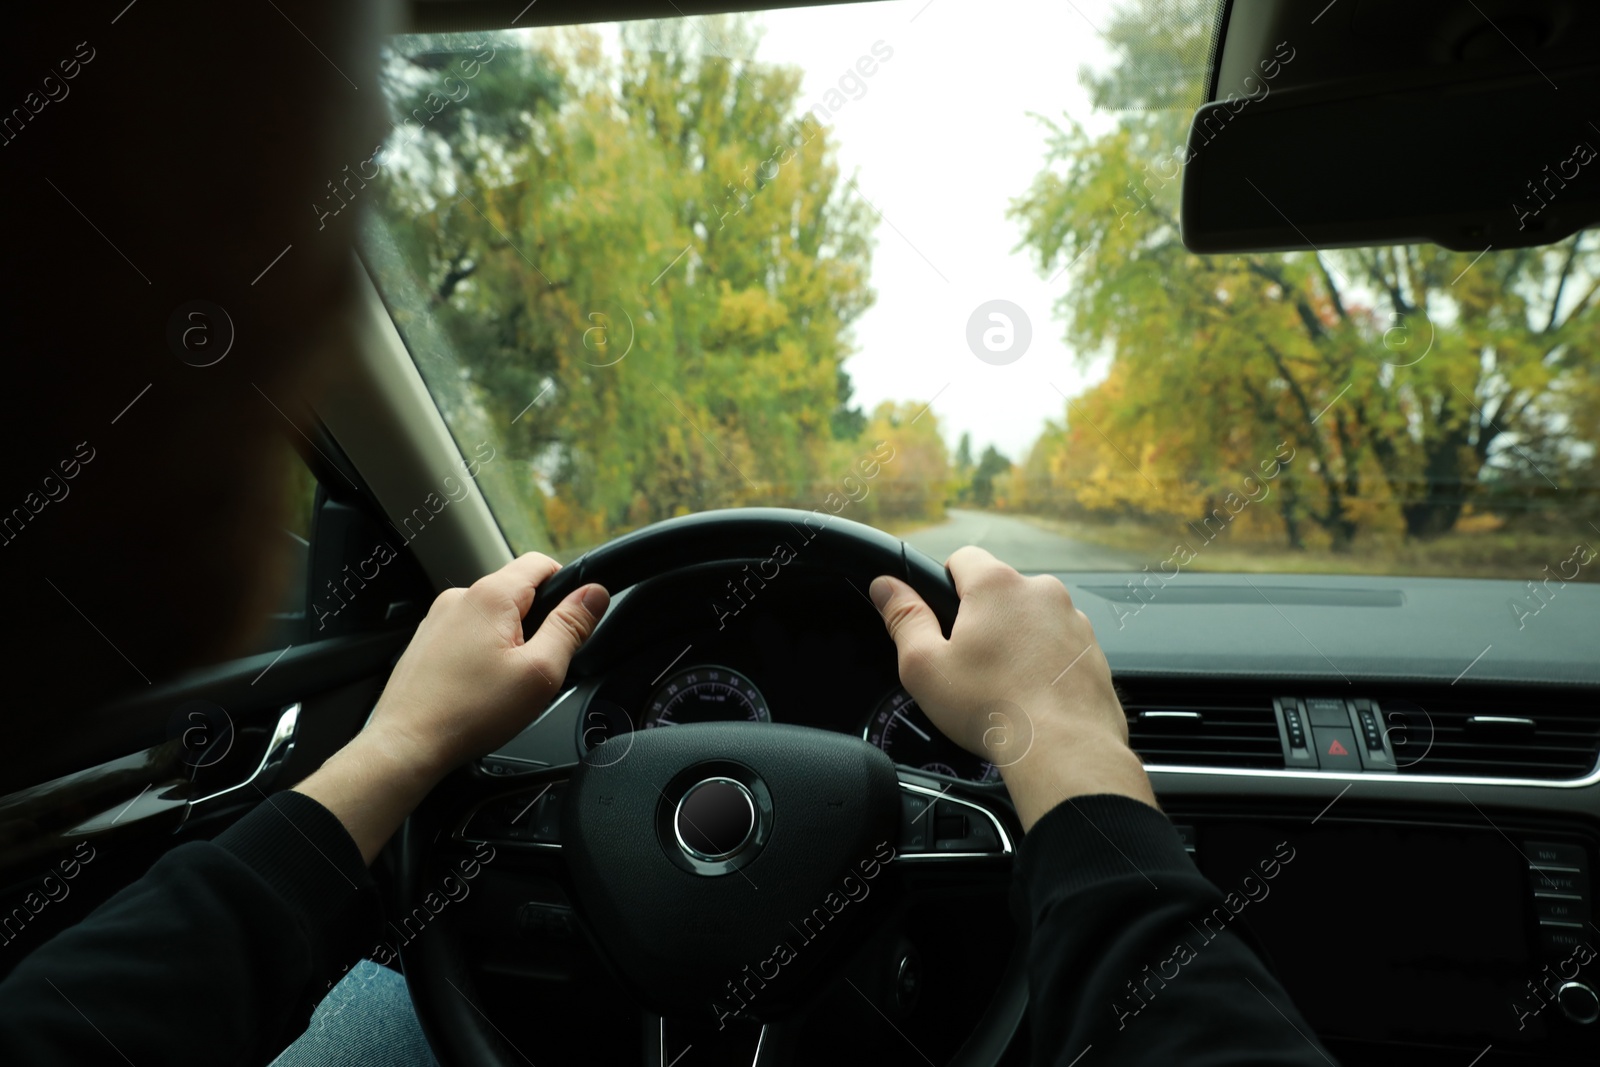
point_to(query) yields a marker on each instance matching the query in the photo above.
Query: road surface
(1020, 543)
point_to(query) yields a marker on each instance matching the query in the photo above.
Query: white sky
(940, 143)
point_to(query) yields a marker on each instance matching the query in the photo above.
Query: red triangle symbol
(1336, 749)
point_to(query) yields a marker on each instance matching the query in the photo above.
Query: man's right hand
(1021, 682)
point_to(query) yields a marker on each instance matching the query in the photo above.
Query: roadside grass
(1519, 555)
(901, 527)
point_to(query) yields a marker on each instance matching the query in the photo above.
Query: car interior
(1424, 739)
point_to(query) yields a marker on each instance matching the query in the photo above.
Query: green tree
(1409, 379)
(657, 252)
(990, 465)
(962, 472)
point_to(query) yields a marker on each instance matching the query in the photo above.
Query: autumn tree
(913, 484)
(1410, 380)
(647, 265)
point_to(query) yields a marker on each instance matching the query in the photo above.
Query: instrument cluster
(715, 693)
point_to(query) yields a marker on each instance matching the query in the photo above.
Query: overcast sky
(939, 143)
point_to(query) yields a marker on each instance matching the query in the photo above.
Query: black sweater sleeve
(1136, 958)
(216, 956)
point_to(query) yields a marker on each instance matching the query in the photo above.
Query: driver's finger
(912, 626)
(967, 565)
(519, 578)
(564, 631)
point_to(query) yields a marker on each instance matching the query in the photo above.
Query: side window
(301, 495)
(301, 489)
(344, 568)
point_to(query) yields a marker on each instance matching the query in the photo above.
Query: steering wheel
(735, 881)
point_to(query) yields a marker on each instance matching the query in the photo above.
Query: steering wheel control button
(907, 981)
(1336, 748)
(958, 828)
(540, 818)
(715, 820)
(950, 823)
(935, 826)
(531, 817)
(546, 922)
(505, 767)
(914, 819)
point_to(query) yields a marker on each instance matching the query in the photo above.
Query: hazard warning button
(1335, 748)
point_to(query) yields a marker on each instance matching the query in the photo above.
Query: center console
(1413, 934)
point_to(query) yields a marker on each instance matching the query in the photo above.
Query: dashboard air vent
(1534, 736)
(1198, 734)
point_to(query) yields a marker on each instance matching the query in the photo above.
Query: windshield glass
(922, 269)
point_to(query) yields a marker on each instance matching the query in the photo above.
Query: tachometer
(706, 694)
(901, 729)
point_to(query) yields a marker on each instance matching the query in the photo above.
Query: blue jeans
(366, 1019)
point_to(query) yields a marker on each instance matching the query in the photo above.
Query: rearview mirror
(1503, 163)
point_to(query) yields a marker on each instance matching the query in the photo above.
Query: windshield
(918, 264)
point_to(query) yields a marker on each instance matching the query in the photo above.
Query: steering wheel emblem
(715, 820)
(712, 817)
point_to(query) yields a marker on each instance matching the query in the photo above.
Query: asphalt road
(1020, 543)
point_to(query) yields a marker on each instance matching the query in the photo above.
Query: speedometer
(901, 729)
(706, 694)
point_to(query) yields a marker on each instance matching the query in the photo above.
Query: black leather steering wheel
(691, 852)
